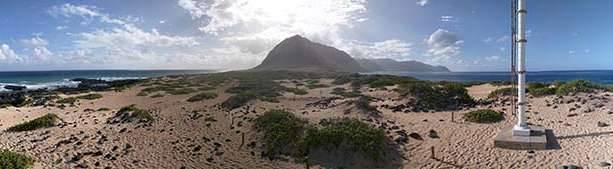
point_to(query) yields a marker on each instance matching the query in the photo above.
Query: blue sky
(467, 35)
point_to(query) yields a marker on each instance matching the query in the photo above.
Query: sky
(466, 35)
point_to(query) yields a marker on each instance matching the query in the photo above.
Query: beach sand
(182, 137)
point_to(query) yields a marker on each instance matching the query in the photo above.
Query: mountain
(299, 53)
(393, 65)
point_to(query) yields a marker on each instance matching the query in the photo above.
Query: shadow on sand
(552, 141)
(392, 159)
(586, 135)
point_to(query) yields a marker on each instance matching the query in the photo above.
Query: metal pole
(521, 128)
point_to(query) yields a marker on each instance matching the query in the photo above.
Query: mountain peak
(299, 53)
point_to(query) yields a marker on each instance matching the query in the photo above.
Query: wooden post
(242, 140)
(452, 120)
(432, 153)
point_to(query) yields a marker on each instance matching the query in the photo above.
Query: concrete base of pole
(535, 140)
(521, 130)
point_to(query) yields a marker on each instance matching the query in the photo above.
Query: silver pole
(521, 128)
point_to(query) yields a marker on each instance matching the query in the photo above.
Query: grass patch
(483, 116)
(67, 100)
(131, 114)
(283, 132)
(92, 96)
(343, 92)
(348, 135)
(181, 91)
(363, 104)
(202, 96)
(103, 109)
(296, 91)
(46, 121)
(157, 95)
(500, 92)
(576, 86)
(13, 160)
(437, 96)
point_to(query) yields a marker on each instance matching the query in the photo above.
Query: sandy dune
(184, 136)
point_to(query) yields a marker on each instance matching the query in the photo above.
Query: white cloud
(7, 55)
(488, 39)
(571, 52)
(271, 20)
(84, 11)
(492, 58)
(392, 49)
(61, 27)
(504, 38)
(447, 18)
(443, 45)
(422, 2)
(37, 46)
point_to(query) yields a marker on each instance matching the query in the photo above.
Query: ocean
(597, 76)
(51, 79)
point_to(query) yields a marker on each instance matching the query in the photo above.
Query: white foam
(57, 84)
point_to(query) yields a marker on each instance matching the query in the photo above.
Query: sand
(180, 137)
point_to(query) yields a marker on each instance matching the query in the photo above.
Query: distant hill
(393, 65)
(298, 53)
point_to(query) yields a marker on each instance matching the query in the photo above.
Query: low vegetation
(46, 121)
(507, 91)
(202, 96)
(296, 91)
(130, 114)
(283, 132)
(576, 86)
(439, 97)
(483, 116)
(343, 92)
(92, 96)
(363, 104)
(67, 100)
(347, 135)
(13, 160)
(286, 134)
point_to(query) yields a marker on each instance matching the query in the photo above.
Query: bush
(507, 91)
(483, 116)
(342, 92)
(283, 132)
(46, 121)
(237, 100)
(296, 91)
(131, 114)
(12, 160)
(538, 92)
(363, 104)
(202, 96)
(181, 91)
(93, 96)
(575, 86)
(446, 96)
(350, 135)
(68, 100)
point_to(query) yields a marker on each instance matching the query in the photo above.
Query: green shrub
(202, 96)
(92, 96)
(283, 132)
(342, 92)
(131, 114)
(46, 121)
(432, 96)
(575, 86)
(237, 100)
(67, 100)
(142, 93)
(483, 116)
(296, 91)
(545, 91)
(12, 160)
(103, 109)
(363, 104)
(349, 135)
(507, 91)
(315, 86)
(181, 91)
(157, 95)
